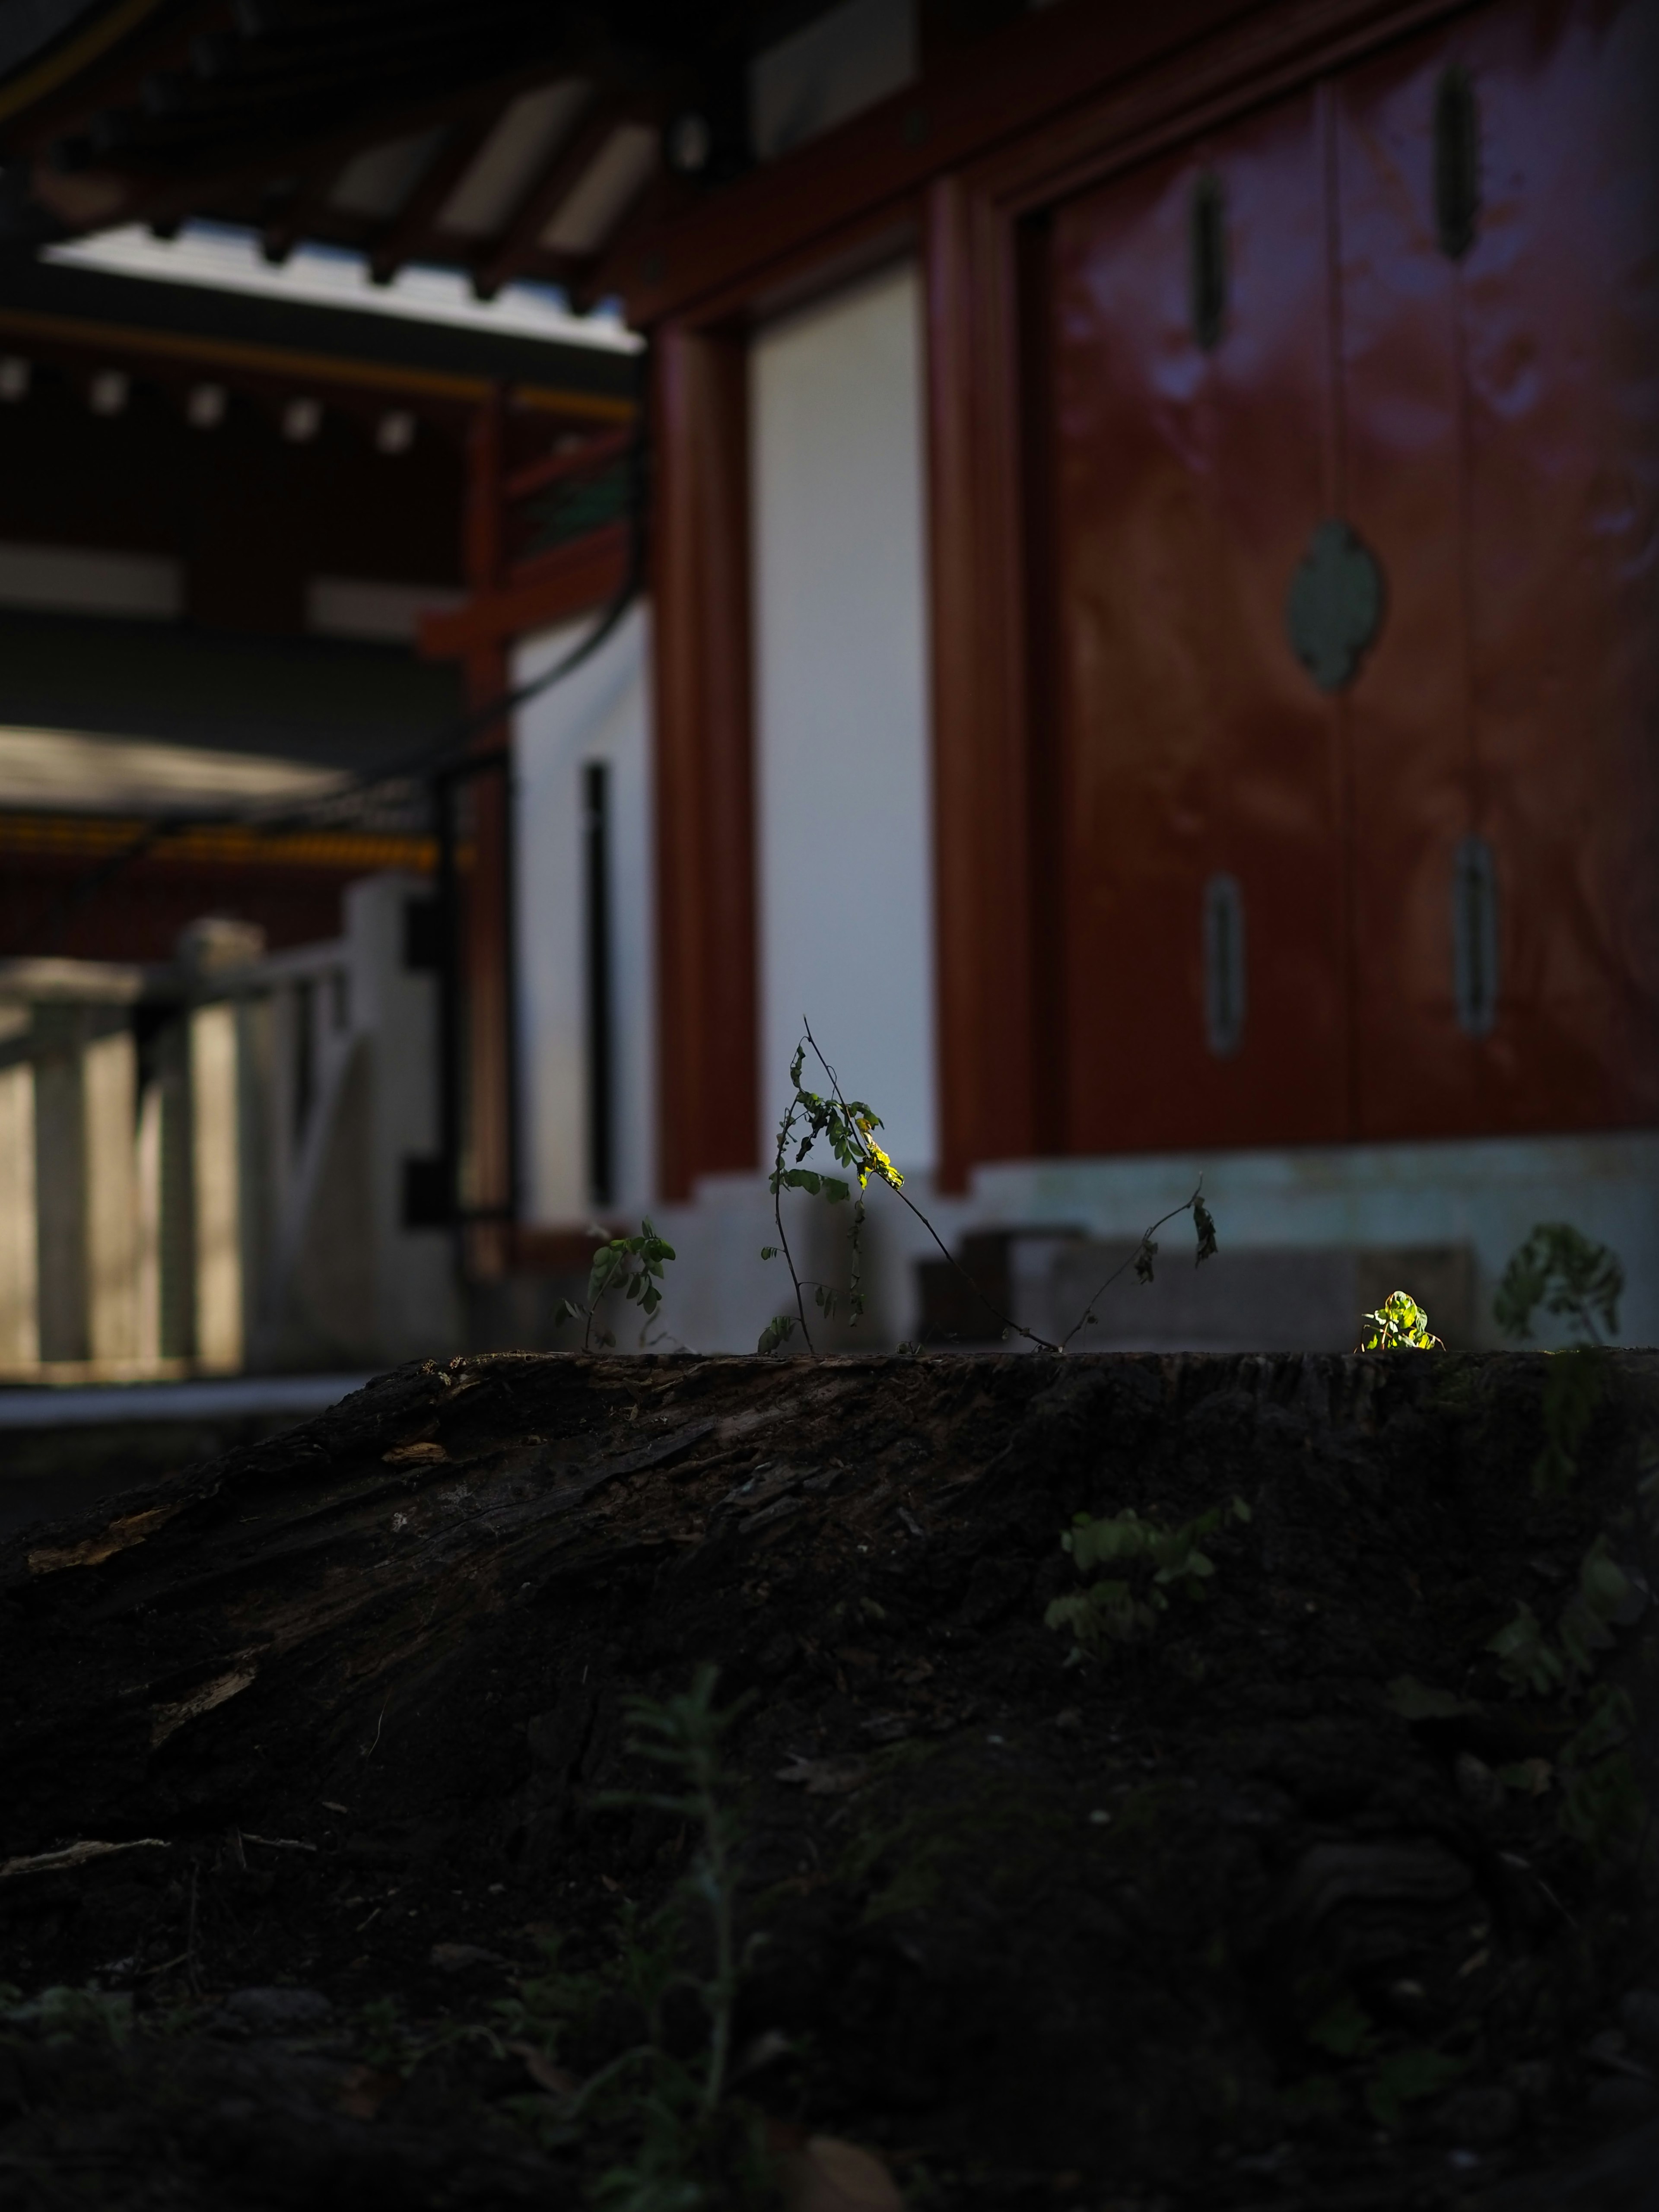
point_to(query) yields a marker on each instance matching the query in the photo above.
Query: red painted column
(990, 1073)
(707, 1014)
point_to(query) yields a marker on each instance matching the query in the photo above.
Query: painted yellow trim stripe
(56, 68)
(309, 368)
(69, 836)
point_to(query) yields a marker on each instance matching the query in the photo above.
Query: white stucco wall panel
(845, 846)
(600, 712)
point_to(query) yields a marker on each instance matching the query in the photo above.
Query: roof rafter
(169, 199)
(247, 112)
(398, 237)
(563, 172)
(299, 212)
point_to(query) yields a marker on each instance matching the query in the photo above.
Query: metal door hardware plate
(1334, 605)
(1224, 966)
(1474, 937)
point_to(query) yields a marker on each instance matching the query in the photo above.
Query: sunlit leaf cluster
(1399, 1324)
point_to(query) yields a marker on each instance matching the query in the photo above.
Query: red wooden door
(1203, 945)
(1437, 879)
(1500, 407)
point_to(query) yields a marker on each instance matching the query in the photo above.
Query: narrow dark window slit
(1224, 966)
(1474, 937)
(595, 871)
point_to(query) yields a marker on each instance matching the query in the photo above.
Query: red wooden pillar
(991, 1058)
(708, 1022)
(484, 879)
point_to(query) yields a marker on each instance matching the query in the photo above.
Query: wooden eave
(97, 319)
(193, 113)
(250, 114)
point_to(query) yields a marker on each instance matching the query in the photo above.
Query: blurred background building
(1104, 557)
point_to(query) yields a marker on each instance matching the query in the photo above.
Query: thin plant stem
(784, 1127)
(873, 1166)
(1006, 1320)
(1146, 1237)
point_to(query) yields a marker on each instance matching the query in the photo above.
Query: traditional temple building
(1132, 609)
(227, 491)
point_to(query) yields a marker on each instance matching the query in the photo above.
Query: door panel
(1200, 785)
(1441, 873)
(1498, 413)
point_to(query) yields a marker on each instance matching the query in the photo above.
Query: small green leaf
(1421, 1701)
(1525, 1657)
(1345, 2031)
(1610, 1719)
(1531, 1777)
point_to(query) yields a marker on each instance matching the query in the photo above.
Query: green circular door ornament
(1333, 608)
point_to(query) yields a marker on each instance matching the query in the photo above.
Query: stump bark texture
(1282, 1898)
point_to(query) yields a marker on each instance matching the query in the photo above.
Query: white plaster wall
(600, 712)
(844, 831)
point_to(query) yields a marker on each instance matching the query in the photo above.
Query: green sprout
(1399, 1324)
(633, 1265)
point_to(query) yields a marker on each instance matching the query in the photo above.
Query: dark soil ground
(1222, 1920)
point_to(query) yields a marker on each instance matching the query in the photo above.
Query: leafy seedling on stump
(633, 1265)
(1399, 1324)
(848, 1128)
